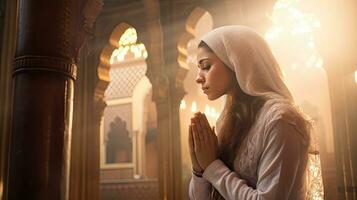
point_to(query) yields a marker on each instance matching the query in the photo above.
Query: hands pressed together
(203, 143)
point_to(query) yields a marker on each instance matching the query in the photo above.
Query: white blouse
(270, 164)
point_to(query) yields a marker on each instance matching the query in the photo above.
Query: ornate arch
(188, 35)
(103, 67)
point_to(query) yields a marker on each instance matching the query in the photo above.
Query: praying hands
(203, 143)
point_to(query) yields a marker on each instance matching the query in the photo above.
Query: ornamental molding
(90, 13)
(45, 63)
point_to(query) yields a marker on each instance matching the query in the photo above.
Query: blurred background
(136, 92)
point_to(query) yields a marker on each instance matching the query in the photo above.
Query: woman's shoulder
(281, 111)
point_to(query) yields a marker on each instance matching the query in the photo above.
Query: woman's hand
(195, 166)
(205, 141)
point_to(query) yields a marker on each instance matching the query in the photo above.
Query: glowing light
(207, 109)
(314, 178)
(213, 112)
(311, 61)
(316, 24)
(319, 63)
(311, 44)
(129, 37)
(294, 66)
(194, 107)
(183, 105)
(273, 33)
(1, 189)
(294, 30)
(299, 29)
(128, 44)
(284, 74)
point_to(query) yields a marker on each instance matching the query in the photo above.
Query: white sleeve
(281, 168)
(200, 188)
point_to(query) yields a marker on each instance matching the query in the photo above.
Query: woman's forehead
(204, 53)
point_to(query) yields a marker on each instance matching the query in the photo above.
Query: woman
(262, 144)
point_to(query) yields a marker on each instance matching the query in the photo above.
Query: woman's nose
(199, 78)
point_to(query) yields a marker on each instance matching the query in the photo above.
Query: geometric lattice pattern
(140, 189)
(123, 81)
(314, 178)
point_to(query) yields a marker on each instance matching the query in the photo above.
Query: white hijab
(246, 53)
(258, 73)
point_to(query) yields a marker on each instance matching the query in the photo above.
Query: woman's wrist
(197, 172)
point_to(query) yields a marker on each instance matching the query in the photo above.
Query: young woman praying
(261, 147)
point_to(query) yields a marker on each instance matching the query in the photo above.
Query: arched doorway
(129, 122)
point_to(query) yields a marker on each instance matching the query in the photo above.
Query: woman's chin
(212, 97)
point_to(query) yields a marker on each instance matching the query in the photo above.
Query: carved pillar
(167, 78)
(84, 184)
(344, 106)
(49, 39)
(338, 46)
(8, 19)
(343, 97)
(43, 77)
(2, 18)
(84, 181)
(169, 147)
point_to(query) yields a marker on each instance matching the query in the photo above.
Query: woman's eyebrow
(203, 59)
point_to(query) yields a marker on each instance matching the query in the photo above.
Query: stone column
(338, 46)
(343, 95)
(44, 72)
(167, 78)
(84, 180)
(8, 20)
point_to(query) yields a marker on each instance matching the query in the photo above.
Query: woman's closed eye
(206, 67)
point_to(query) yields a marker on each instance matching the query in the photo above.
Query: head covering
(246, 53)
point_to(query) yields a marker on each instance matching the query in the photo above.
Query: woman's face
(215, 77)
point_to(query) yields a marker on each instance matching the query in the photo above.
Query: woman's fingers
(190, 139)
(194, 161)
(209, 133)
(205, 122)
(196, 139)
(207, 125)
(200, 128)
